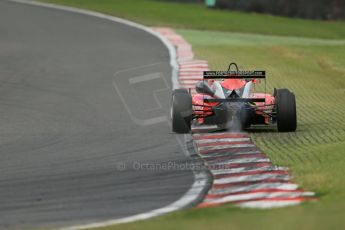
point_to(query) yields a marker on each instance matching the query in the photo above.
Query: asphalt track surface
(65, 129)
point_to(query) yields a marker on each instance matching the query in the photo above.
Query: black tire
(286, 111)
(181, 111)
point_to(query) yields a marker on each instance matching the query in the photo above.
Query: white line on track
(222, 140)
(248, 178)
(248, 188)
(218, 134)
(217, 172)
(194, 66)
(266, 169)
(188, 73)
(192, 79)
(187, 86)
(225, 154)
(189, 81)
(269, 204)
(257, 195)
(193, 69)
(243, 160)
(230, 146)
(143, 78)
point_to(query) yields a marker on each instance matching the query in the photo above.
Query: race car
(225, 98)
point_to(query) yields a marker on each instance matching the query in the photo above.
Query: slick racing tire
(181, 111)
(286, 111)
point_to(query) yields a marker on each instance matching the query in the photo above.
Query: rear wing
(229, 74)
(247, 75)
(257, 74)
(234, 100)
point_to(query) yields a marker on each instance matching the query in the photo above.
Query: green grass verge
(314, 69)
(197, 16)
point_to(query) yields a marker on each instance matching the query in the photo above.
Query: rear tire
(286, 111)
(181, 111)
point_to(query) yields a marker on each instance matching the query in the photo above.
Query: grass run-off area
(197, 16)
(305, 56)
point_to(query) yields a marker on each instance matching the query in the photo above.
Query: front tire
(286, 111)
(181, 111)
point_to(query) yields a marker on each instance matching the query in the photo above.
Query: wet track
(75, 93)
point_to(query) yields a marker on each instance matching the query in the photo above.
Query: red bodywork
(203, 109)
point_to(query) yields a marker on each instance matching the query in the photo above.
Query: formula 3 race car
(226, 99)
